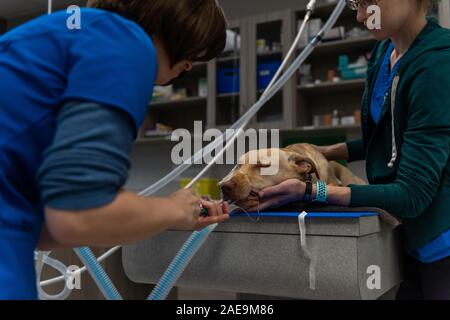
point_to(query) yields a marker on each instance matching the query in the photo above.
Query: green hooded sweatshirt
(407, 152)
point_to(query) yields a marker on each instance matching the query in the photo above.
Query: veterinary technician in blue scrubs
(406, 143)
(71, 102)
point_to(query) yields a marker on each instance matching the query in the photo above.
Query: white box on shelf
(314, 27)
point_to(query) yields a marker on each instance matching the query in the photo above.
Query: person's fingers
(270, 192)
(267, 205)
(214, 208)
(203, 222)
(264, 205)
(219, 208)
(250, 207)
(222, 218)
(197, 208)
(250, 203)
(226, 207)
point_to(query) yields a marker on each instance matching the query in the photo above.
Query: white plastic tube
(81, 270)
(293, 47)
(43, 258)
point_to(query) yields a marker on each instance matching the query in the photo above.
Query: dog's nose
(227, 187)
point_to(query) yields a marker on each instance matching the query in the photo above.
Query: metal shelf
(228, 95)
(332, 87)
(270, 54)
(191, 101)
(327, 128)
(346, 45)
(296, 130)
(227, 59)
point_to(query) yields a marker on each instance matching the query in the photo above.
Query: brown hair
(192, 30)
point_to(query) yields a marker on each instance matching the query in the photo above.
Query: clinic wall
(233, 8)
(13, 23)
(242, 8)
(3, 26)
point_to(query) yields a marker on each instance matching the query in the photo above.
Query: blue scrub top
(110, 61)
(383, 83)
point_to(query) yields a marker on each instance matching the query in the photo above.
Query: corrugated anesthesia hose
(176, 268)
(99, 275)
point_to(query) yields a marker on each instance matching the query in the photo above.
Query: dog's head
(259, 169)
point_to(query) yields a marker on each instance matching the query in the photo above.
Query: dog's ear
(303, 165)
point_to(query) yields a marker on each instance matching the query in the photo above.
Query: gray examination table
(266, 257)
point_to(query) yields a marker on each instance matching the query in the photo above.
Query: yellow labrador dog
(259, 169)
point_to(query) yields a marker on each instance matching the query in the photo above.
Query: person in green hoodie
(406, 143)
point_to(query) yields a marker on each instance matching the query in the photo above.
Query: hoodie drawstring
(394, 143)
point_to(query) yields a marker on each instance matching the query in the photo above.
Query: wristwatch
(308, 192)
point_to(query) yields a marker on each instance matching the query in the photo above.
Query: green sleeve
(356, 150)
(425, 151)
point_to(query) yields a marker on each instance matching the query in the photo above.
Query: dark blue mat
(310, 214)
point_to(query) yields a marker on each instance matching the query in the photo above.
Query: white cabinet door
(444, 13)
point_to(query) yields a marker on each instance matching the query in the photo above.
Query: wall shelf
(227, 59)
(191, 101)
(270, 54)
(228, 95)
(343, 46)
(290, 108)
(166, 138)
(332, 87)
(328, 128)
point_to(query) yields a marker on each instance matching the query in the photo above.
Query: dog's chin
(236, 200)
(238, 196)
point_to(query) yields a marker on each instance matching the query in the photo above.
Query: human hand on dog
(334, 152)
(277, 196)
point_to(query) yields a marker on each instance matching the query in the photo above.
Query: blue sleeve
(87, 163)
(113, 62)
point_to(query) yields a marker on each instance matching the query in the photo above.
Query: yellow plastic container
(206, 187)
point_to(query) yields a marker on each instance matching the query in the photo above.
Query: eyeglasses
(356, 4)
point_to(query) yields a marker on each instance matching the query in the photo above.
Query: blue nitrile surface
(310, 214)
